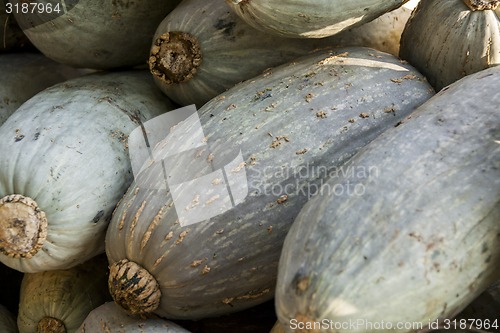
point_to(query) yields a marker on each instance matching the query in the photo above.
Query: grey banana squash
(65, 164)
(449, 39)
(26, 74)
(310, 19)
(12, 37)
(292, 125)
(202, 48)
(422, 233)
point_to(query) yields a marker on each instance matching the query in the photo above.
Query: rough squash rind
(423, 235)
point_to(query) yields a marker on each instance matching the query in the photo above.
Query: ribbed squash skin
(316, 111)
(228, 50)
(66, 296)
(109, 317)
(24, 75)
(445, 40)
(66, 149)
(423, 238)
(309, 19)
(98, 34)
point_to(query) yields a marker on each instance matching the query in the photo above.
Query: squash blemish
(175, 57)
(23, 226)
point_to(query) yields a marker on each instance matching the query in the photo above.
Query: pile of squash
(249, 166)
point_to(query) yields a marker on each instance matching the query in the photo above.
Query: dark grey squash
(95, 34)
(421, 236)
(293, 125)
(7, 320)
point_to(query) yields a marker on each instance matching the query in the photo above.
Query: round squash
(26, 74)
(277, 136)
(449, 39)
(310, 19)
(418, 234)
(95, 34)
(202, 48)
(109, 317)
(65, 164)
(7, 321)
(60, 300)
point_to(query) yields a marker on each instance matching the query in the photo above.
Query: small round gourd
(65, 165)
(449, 39)
(109, 317)
(59, 301)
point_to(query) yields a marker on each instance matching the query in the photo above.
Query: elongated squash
(26, 74)
(65, 164)
(421, 233)
(449, 39)
(310, 19)
(278, 136)
(93, 33)
(110, 318)
(60, 300)
(202, 48)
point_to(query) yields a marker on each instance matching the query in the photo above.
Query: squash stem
(50, 325)
(133, 287)
(482, 4)
(23, 226)
(175, 57)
